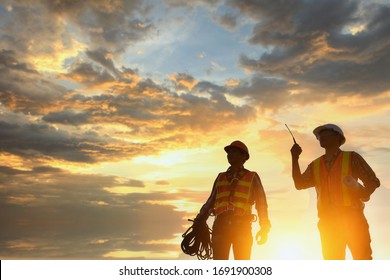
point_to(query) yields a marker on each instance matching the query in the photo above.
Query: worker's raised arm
(296, 150)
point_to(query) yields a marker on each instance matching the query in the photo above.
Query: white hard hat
(330, 127)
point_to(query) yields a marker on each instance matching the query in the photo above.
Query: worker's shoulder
(252, 174)
(353, 153)
(249, 171)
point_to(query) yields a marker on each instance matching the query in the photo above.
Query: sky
(114, 115)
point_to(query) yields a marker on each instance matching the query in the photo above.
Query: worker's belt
(232, 217)
(334, 211)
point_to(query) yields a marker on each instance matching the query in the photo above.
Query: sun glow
(165, 159)
(180, 205)
(171, 158)
(289, 244)
(54, 62)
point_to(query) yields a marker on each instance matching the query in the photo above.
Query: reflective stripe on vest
(239, 202)
(329, 183)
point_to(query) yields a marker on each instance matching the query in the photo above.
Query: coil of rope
(196, 241)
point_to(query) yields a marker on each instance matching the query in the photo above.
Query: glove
(262, 237)
(296, 151)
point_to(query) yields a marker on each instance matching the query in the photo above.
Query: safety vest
(331, 191)
(236, 200)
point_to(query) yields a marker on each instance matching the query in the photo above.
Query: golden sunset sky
(114, 115)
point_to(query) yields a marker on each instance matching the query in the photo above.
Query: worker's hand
(295, 150)
(360, 193)
(261, 237)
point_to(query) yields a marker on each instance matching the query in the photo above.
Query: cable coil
(196, 241)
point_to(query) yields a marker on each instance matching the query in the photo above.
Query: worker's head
(329, 135)
(237, 152)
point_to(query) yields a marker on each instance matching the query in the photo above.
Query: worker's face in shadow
(236, 156)
(329, 138)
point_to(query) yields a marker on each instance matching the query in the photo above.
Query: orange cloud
(183, 80)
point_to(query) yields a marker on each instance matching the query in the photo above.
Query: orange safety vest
(239, 201)
(331, 191)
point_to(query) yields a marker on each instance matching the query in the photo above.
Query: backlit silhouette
(340, 198)
(233, 195)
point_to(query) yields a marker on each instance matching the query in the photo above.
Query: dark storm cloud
(184, 3)
(39, 30)
(311, 44)
(229, 21)
(267, 92)
(291, 22)
(270, 10)
(66, 117)
(31, 140)
(110, 25)
(28, 28)
(8, 60)
(89, 74)
(23, 88)
(59, 215)
(348, 78)
(328, 16)
(209, 87)
(39, 140)
(102, 57)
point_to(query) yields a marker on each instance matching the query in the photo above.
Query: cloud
(22, 88)
(305, 46)
(228, 20)
(66, 117)
(267, 92)
(65, 29)
(183, 3)
(277, 12)
(89, 74)
(309, 59)
(310, 44)
(104, 58)
(39, 24)
(37, 140)
(135, 109)
(162, 183)
(71, 95)
(183, 81)
(51, 213)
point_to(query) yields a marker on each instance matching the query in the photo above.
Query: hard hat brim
(333, 127)
(227, 148)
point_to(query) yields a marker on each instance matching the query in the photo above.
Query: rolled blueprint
(355, 187)
(349, 181)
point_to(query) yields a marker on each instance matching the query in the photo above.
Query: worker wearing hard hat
(233, 195)
(340, 198)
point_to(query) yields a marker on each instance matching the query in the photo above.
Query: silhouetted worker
(233, 195)
(340, 199)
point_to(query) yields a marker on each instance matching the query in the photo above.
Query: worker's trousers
(349, 228)
(232, 232)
